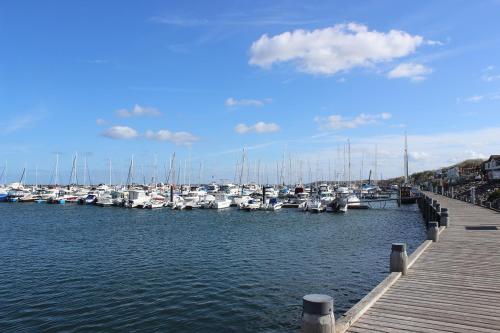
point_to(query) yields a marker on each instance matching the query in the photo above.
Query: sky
(289, 81)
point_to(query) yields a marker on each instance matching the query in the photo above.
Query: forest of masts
(286, 171)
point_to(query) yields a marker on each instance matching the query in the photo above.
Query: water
(86, 269)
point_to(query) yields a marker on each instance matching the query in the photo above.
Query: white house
(491, 167)
(453, 174)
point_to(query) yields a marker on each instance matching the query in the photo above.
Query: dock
(451, 285)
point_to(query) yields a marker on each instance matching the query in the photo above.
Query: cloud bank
(259, 127)
(337, 122)
(233, 102)
(126, 133)
(333, 49)
(120, 133)
(138, 111)
(412, 71)
(179, 138)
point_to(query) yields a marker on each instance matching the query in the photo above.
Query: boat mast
(258, 172)
(72, 176)
(241, 171)
(22, 175)
(85, 171)
(109, 171)
(406, 159)
(56, 173)
(376, 165)
(349, 158)
(130, 176)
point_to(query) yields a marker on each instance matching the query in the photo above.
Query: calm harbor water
(87, 269)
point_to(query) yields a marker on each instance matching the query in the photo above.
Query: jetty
(451, 283)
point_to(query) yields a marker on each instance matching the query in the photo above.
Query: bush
(494, 195)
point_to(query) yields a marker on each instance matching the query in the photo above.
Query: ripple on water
(87, 269)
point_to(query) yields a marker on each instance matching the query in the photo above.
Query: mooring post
(445, 220)
(429, 210)
(438, 211)
(399, 258)
(433, 232)
(473, 195)
(172, 193)
(317, 314)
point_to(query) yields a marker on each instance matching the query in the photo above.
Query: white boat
(353, 201)
(315, 206)
(270, 192)
(137, 198)
(250, 205)
(221, 201)
(212, 188)
(238, 200)
(105, 200)
(230, 189)
(272, 204)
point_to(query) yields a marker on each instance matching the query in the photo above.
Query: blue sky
(204, 79)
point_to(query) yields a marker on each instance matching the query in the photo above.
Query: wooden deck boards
(453, 287)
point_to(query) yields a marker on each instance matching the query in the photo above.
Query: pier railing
(318, 310)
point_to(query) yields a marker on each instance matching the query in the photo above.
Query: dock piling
(433, 232)
(399, 258)
(444, 219)
(317, 314)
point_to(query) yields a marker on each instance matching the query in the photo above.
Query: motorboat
(137, 198)
(272, 204)
(221, 201)
(315, 206)
(252, 204)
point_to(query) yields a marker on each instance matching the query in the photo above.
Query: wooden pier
(452, 285)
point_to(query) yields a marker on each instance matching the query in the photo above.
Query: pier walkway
(454, 286)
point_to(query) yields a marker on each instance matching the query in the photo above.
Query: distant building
(491, 167)
(453, 174)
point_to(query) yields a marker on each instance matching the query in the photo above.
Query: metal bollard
(433, 232)
(399, 258)
(317, 314)
(445, 219)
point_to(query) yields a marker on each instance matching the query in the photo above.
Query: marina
(71, 267)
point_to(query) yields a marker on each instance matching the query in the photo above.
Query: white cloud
(100, 121)
(333, 49)
(491, 78)
(233, 102)
(259, 127)
(478, 98)
(138, 111)
(475, 98)
(179, 138)
(18, 122)
(415, 72)
(120, 132)
(337, 121)
(418, 156)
